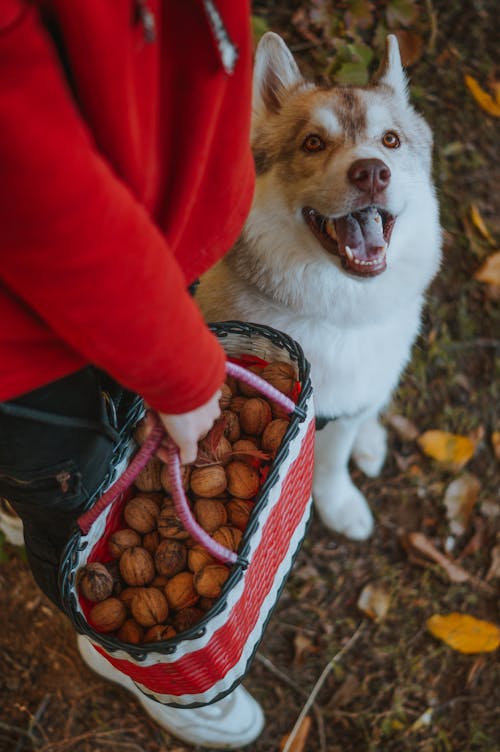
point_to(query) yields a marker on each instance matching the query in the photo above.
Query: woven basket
(204, 663)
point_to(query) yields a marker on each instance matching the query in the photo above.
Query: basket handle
(149, 448)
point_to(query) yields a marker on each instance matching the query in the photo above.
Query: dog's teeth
(330, 229)
(349, 253)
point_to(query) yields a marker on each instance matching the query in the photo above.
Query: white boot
(10, 524)
(230, 723)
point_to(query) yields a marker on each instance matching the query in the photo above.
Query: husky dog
(342, 240)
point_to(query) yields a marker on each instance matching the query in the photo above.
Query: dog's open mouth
(359, 239)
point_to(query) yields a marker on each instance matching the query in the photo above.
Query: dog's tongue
(360, 237)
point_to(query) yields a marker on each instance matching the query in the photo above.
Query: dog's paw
(369, 449)
(344, 510)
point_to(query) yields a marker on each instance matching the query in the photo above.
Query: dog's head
(339, 168)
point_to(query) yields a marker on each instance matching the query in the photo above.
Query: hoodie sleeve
(79, 249)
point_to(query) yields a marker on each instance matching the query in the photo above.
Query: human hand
(186, 429)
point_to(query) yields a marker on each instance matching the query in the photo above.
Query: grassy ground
(396, 688)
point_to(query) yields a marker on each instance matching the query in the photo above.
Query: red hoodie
(125, 172)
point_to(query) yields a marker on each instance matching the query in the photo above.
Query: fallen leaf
(374, 602)
(347, 691)
(423, 721)
(298, 743)
(404, 428)
(484, 100)
(465, 633)
(459, 500)
(422, 545)
(494, 570)
(495, 442)
(476, 543)
(489, 272)
(448, 448)
(480, 225)
(302, 645)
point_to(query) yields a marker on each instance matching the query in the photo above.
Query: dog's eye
(391, 140)
(313, 143)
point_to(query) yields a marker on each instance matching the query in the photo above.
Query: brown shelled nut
(226, 396)
(246, 389)
(210, 514)
(180, 591)
(187, 618)
(159, 632)
(170, 557)
(206, 603)
(242, 480)
(149, 606)
(149, 479)
(247, 450)
(165, 480)
(229, 537)
(208, 481)
(232, 428)
(151, 541)
(170, 524)
(238, 512)
(108, 615)
(255, 415)
(95, 582)
(130, 631)
(122, 539)
(198, 557)
(141, 513)
(209, 580)
(237, 403)
(281, 375)
(127, 594)
(136, 566)
(273, 434)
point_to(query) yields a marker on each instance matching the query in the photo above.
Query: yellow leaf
(479, 224)
(484, 100)
(298, 742)
(465, 633)
(489, 272)
(449, 448)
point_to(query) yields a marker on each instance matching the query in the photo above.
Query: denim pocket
(58, 485)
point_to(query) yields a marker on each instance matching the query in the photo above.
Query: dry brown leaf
(459, 500)
(302, 645)
(422, 545)
(465, 633)
(299, 741)
(484, 100)
(404, 428)
(494, 570)
(495, 442)
(374, 601)
(489, 272)
(480, 224)
(449, 448)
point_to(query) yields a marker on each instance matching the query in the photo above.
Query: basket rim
(68, 573)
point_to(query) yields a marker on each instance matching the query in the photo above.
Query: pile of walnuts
(159, 581)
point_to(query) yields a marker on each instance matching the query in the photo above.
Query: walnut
(170, 525)
(108, 615)
(159, 632)
(165, 480)
(237, 403)
(187, 618)
(170, 557)
(136, 566)
(113, 568)
(130, 631)
(149, 479)
(180, 591)
(255, 415)
(121, 540)
(281, 375)
(246, 389)
(226, 396)
(210, 514)
(126, 596)
(242, 480)
(149, 606)
(198, 557)
(160, 581)
(95, 582)
(238, 512)
(208, 481)
(209, 580)
(229, 537)
(150, 541)
(247, 450)
(273, 435)
(232, 429)
(141, 513)
(206, 603)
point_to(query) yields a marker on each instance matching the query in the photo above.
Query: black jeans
(56, 445)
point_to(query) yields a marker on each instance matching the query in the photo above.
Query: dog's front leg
(338, 502)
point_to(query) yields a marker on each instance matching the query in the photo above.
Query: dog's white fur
(356, 332)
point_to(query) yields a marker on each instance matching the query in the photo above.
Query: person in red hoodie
(126, 173)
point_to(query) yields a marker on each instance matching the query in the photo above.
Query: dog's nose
(369, 175)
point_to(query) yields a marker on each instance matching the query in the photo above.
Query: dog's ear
(391, 71)
(275, 71)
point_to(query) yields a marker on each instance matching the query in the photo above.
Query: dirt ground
(396, 688)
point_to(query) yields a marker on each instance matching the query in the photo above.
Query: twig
(434, 26)
(312, 697)
(34, 721)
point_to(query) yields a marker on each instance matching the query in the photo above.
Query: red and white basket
(202, 664)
